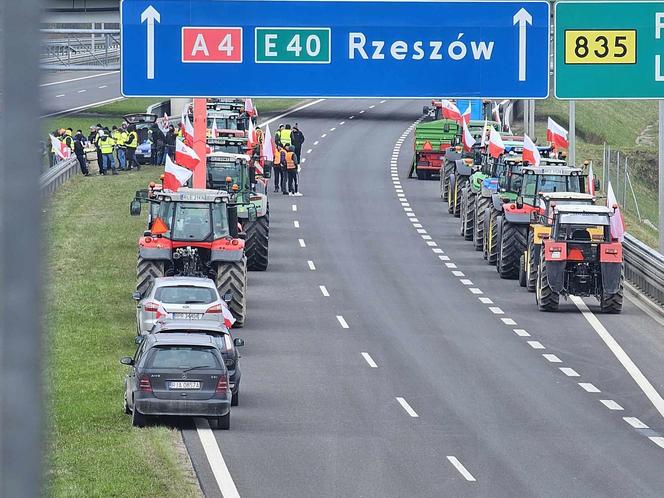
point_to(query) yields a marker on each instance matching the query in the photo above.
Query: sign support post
(661, 177)
(200, 130)
(571, 153)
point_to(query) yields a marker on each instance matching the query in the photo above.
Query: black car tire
(224, 423)
(137, 418)
(235, 400)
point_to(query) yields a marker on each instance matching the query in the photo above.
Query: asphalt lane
(458, 404)
(63, 92)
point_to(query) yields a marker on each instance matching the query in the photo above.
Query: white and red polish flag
(175, 176)
(465, 117)
(187, 128)
(617, 222)
(267, 146)
(60, 148)
(496, 145)
(468, 140)
(450, 110)
(186, 156)
(556, 134)
(530, 151)
(249, 108)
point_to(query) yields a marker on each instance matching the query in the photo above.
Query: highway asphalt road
(385, 358)
(69, 91)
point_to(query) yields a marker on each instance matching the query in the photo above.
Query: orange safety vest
(277, 157)
(290, 160)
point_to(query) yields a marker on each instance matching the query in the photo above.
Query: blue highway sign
(302, 48)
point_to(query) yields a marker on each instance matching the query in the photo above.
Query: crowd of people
(286, 165)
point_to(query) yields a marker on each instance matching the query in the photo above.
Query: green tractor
(224, 168)
(432, 140)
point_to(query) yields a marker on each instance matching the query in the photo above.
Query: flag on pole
(496, 145)
(229, 319)
(465, 117)
(214, 128)
(450, 111)
(59, 148)
(252, 140)
(187, 128)
(530, 151)
(556, 134)
(186, 156)
(483, 142)
(617, 222)
(267, 147)
(496, 114)
(249, 108)
(175, 176)
(468, 140)
(591, 180)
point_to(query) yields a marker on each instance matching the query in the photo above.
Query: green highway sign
(609, 50)
(292, 45)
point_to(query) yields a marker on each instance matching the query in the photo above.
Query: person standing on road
(277, 169)
(286, 136)
(297, 137)
(291, 168)
(79, 150)
(106, 144)
(277, 135)
(171, 137)
(131, 144)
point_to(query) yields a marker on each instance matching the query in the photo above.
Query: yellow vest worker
(132, 140)
(285, 136)
(106, 145)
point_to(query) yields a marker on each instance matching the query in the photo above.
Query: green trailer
(432, 139)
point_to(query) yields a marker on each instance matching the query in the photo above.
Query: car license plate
(184, 385)
(188, 316)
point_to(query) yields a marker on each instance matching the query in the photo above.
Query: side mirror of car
(135, 207)
(238, 342)
(227, 297)
(138, 339)
(136, 296)
(519, 202)
(127, 360)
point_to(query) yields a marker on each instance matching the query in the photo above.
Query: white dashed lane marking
(570, 372)
(485, 300)
(82, 91)
(462, 470)
(588, 387)
(635, 422)
(536, 345)
(508, 321)
(316, 142)
(311, 264)
(371, 106)
(409, 410)
(324, 291)
(552, 358)
(296, 224)
(521, 333)
(309, 151)
(294, 207)
(302, 244)
(102, 86)
(611, 405)
(323, 135)
(367, 357)
(496, 310)
(342, 322)
(61, 95)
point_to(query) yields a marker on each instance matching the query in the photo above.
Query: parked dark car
(178, 375)
(223, 340)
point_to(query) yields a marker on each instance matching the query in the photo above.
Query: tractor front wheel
(456, 199)
(232, 277)
(469, 213)
(533, 258)
(256, 243)
(146, 271)
(547, 299)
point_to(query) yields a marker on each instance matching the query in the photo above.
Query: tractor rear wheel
(547, 299)
(512, 246)
(613, 303)
(146, 271)
(456, 198)
(478, 224)
(533, 258)
(522, 270)
(232, 277)
(491, 237)
(469, 213)
(256, 243)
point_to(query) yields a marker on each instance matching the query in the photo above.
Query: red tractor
(512, 225)
(580, 258)
(193, 232)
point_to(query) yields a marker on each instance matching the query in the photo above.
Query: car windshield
(191, 220)
(185, 294)
(534, 184)
(229, 123)
(581, 232)
(181, 357)
(218, 172)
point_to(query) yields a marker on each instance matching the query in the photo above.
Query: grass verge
(91, 268)
(628, 126)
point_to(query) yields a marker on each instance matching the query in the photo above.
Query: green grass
(620, 124)
(92, 248)
(273, 105)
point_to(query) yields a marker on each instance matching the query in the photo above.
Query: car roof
(183, 339)
(190, 281)
(202, 325)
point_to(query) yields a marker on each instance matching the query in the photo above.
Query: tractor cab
(551, 200)
(230, 145)
(550, 177)
(228, 117)
(222, 166)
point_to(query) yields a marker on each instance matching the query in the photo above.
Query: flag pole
(200, 131)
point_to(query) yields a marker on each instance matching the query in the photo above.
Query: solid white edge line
(367, 357)
(288, 113)
(78, 79)
(462, 470)
(342, 322)
(409, 410)
(215, 459)
(621, 355)
(81, 107)
(324, 291)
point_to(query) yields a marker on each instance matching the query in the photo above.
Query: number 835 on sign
(609, 46)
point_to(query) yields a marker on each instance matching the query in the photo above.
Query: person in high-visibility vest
(292, 162)
(285, 136)
(106, 144)
(131, 143)
(119, 147)
(278, 171)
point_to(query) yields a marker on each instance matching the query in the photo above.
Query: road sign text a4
(211, 44)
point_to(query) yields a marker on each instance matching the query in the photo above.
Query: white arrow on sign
(522, 17)
(150, 15)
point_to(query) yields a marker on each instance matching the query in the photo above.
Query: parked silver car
(180, 298)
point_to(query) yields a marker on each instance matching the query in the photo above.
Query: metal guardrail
(57, 175)
(80, 49)
(644, 268)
